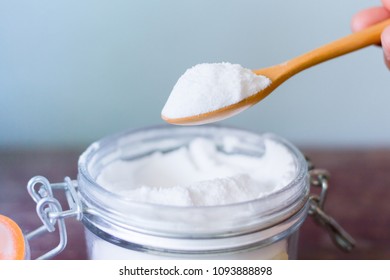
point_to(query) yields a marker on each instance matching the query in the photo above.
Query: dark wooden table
(359, 199)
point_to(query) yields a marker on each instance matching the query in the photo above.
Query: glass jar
(119, 228)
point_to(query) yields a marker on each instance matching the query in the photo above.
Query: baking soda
(201, 174)
(211, 86)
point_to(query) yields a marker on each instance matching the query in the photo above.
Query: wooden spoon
(281, 72)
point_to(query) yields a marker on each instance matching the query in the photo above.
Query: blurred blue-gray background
(72, 72)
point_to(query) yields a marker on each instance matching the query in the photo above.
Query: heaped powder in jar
(199, 174)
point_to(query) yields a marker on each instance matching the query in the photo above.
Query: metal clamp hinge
(49, 209)
(319, 178)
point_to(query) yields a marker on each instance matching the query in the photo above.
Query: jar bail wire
(50, 212)
(340, 237)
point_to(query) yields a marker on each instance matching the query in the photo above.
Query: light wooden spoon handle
(347, 44)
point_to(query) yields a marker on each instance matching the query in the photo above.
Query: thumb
(386, 45)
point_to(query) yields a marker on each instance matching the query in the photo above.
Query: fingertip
(358, 21)
(368, 17)
(386, 45)
(386, 4)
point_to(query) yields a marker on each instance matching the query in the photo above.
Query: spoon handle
(347, 44)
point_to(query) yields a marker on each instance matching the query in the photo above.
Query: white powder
(99, 249)
(211, 86)
(200, 175)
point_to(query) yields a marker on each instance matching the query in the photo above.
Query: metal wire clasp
(319, 178)
(49, 209)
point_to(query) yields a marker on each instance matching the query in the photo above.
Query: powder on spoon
(211, 86)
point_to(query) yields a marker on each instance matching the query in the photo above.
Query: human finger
(386, 4)
(369, 17)
(386, 45)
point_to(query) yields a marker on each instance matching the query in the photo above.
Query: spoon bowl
(278, 74)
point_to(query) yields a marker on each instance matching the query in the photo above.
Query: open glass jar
(117, 227)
